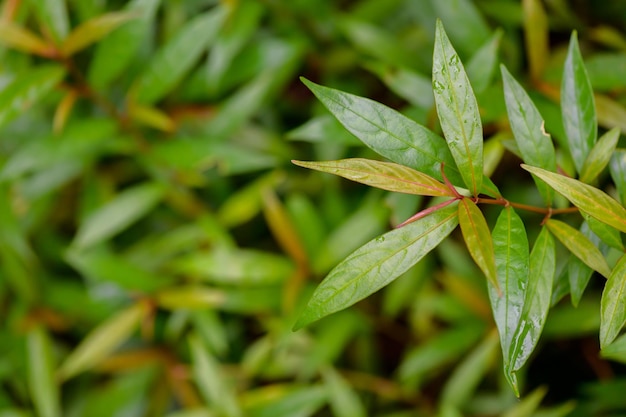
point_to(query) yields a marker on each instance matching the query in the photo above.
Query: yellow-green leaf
(41, 383)
(93, 30)
(385, 175)
(478, 239)
(599, 156)
(613, 304)
(20, 38)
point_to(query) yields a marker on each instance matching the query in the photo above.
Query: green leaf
(608, 234)
(389, 133)
(377, 263)
(465, 23)
(482, 65)
(385, 175)
(43, 387)
(93, 30)
(617, 167)
(26, 89)
(536, 35)
(52, 15)
(510, 246)
(478, 239)
(613, 304)
(599, 156)
(344, 401)
(412, 86)
(542, 270)
(534, 143)
(101, 341)
(577, 271)
(458, 111)
(20, 38)
(115, 216)
(615, 351)
(170, 64)
(577, 105)
(588, 199)
(579, 245)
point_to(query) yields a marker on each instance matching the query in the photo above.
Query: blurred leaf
(616, 350)
(377, 263)
(285, 400)
(126, 208)
(323, 128)
(510, 246)
(152, 117)
(599, 156)
(617, 167)
(343, 400)
(565, 320)
(613, 304)
(527, 126)
(190, 297)
(542, 269)
(577, 106)
(579, 245)
(458, 111)
(26, 89)
(93, 30)
(467, 28)
(606, 233)
(385, 175)
(170, 64)
(52, 15)
(101, 341)
(115, 52)
(527, 406)
(588, 199)
(610, 113)
(605, 71)
(43, 387)
(536, 34)
(478, 240)
(15, 36)
(408, 84)
(212, 384)
(464, 380)
(481, 67)
(63, 111)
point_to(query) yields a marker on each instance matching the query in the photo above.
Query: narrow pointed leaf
(20, 38)
(170, 64)
(608, 234)
(617, 167)
(43, 387)
(93, 30)
(458, 111)
(481, 67)
(613, 304)
(578, 272)
(542, 269)
(577, 106)
(510, 246)
(478, 239)
(536, 35)
(579, 245)
(385, 175)
(527, 125)
(53, 16)
(377, 263)
(599, 156)
(588, 199)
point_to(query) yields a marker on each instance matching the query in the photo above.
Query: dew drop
(380, 239)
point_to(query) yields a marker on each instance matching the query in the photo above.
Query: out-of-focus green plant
(156, 243)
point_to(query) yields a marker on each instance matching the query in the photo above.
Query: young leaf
(579, 245)
(377, 263)
(528, 129)
(478, 239)
(510, 246)
(613, 304)
(385, 175)
(458, 111)
(599, 156)
(588, 199)
(175, 58)
(577, 105)
(542, 270)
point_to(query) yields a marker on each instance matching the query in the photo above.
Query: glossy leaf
(52, 14)
(126, 208)
(618, 173)
(577, 106)
(43, 387)
(93, 30)
(20, 38)
(478, 239)
(377, 263)
(608, 234)
(599, 156)
(579, 245)
(578, 272)
(170, 64)
(527, 125)
(481, 67)
(26, 89)
(385, 175)
(101, 341)
(507, 298)
(588, 199)
(388, 132)
(458, 111)
(542, 270)
(613, 304)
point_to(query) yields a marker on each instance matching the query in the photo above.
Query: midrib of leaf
(385, 259)
(460, 118)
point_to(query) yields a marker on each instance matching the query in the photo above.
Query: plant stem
(541, 210)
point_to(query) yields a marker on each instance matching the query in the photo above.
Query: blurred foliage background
(156, 243)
